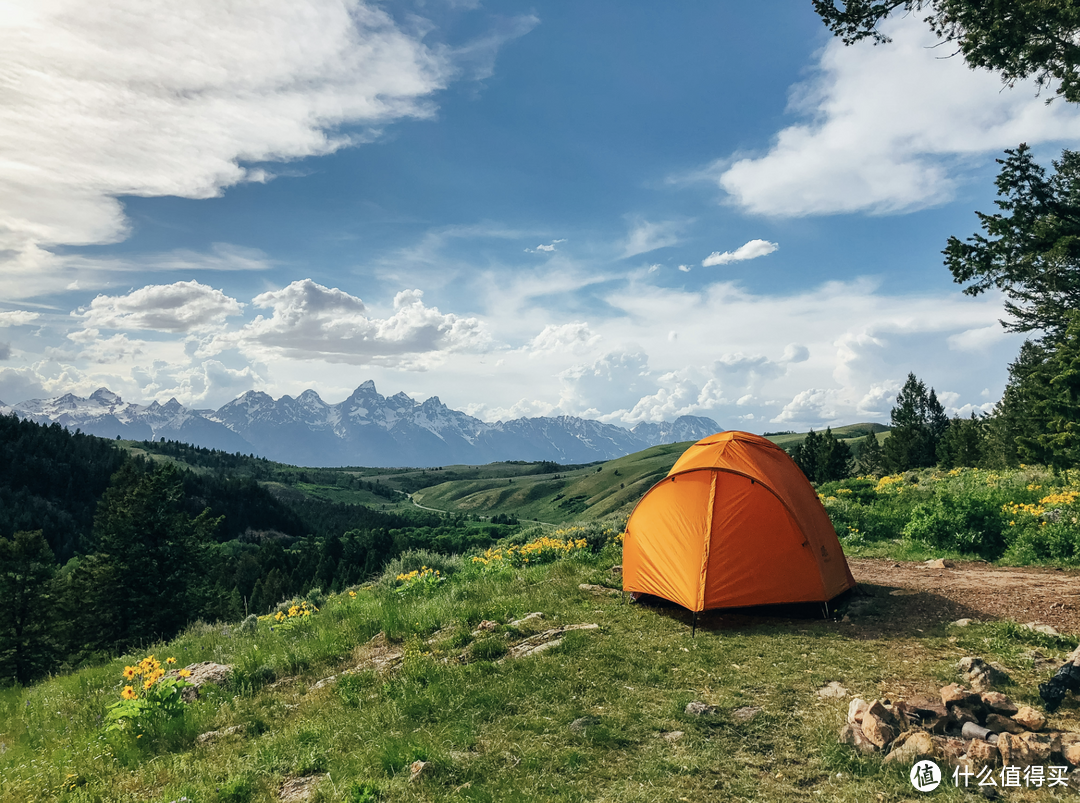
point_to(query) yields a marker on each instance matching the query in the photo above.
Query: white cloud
(309, 321)
(567, 338)
(178, 307)
(645, 236)
(685, 268)
(978, 339)
(545, 248)
(884, 129)
(102, 100)
(18, 317)
(751, 250)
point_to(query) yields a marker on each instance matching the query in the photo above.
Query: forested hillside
(101, 549)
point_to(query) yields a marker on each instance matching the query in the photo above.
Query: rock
(963, 622)
(959, 715)
(999, 703)
(1039, 744)
(832, 689)
(918, 745)
(617, 571)
(1045, 629)
(878, 709)
(1001, 724)
(1030, 718)
(324, 682)
(877, 730)
(417, 770)
(981, 752)
(672, 736)
(486, 626)
(951, 750)
(940, 563)
(527, 619)
(980, 674)
(298, 790)
(201, 674)
(210, 736)
(699, 709)
(600, 591)
(856, 709)
(745, 714)
(924, 712)
(1072, 754)
(955, 694)
(534, 645)
(582, 724)
(1014, 751)
(853, 735)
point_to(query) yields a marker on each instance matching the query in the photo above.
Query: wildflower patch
(149, 696)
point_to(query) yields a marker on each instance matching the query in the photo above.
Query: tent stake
(693, 630)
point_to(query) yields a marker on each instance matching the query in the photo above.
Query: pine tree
(27, 644)
(919, 422)
(869, 458)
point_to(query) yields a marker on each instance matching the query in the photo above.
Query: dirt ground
(970, 589)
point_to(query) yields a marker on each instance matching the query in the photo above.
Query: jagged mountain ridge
(367, 429)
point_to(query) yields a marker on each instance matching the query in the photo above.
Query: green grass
(849, 432)
(500, 731)
(589, 493)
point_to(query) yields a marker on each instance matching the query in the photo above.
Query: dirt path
(972, 590)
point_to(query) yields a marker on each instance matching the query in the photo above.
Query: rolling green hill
(587, 492)
(849, 432)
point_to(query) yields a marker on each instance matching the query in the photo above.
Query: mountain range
(367, 429)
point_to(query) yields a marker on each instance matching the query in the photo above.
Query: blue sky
(617, 210)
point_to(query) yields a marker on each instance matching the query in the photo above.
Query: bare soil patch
(970, 589)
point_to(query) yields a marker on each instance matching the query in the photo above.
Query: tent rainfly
(735, 523)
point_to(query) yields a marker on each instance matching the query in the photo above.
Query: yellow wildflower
(184, 673)
(129, 693)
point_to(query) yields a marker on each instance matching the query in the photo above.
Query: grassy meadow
(494, 728)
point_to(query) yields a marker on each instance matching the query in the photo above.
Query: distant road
(436, 510)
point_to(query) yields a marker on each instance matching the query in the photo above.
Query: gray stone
(699, 709)
(528, 619)
(745, 714)
(201, 674)
(672, 736)
(832, 689)
(600, 591)
(298, 790)
(584, 723)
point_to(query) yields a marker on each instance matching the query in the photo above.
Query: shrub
(250, 624)
(963, 523)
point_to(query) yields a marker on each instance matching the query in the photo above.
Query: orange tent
(735, 523)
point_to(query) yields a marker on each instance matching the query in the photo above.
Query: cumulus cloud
(613, 381)
(310, 321)
(884, 128)
(645, 236)
(561, 339)
(18, 317)
(179, 307)
(751, 250)
(102, 100)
